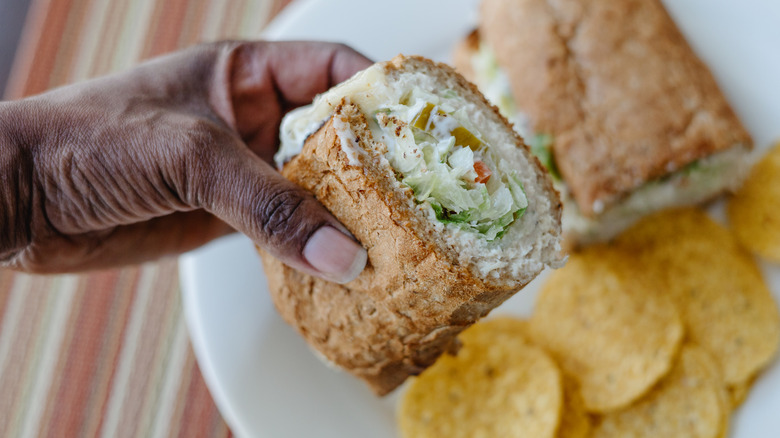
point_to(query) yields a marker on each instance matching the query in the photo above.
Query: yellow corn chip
(754, 211)
(725, 305)
(689, 403)
(608, 326)
(498, 385)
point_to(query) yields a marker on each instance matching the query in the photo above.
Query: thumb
(279, 216)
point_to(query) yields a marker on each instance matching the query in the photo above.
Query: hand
(166, 157)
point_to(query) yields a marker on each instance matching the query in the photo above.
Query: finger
(173, 234)
(296, 70)
(123, 245)
(287, 221)
(266, 79)
(301, 70)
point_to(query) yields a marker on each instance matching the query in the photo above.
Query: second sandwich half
(616, 103)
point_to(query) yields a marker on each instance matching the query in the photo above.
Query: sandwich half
(614, 101)
(454, 211)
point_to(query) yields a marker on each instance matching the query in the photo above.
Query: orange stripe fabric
(109, 37)
(6, 280)
(46, 49)
(126, 287)
(199, 420)
(82, 363)
(69, 41)
(165, 35)
(22, 353)
(106, 354)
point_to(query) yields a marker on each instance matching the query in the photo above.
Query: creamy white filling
(692, 185)
(367, 89)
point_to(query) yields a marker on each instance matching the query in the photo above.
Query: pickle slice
(464, 137)
(421, 120)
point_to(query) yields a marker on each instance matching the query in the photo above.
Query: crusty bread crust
(405, 309)
(616, 84)
(463, 53)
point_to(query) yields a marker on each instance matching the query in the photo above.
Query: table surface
(107, 353)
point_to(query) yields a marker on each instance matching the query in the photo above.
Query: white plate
(264, 379)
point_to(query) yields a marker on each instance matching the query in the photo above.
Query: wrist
(15, 187)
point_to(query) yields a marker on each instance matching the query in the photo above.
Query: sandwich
(454, 211)
(615, 103)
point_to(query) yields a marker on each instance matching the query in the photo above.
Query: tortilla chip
(607, 326)
(723, 300)
(690, 402)
(498, 385)
(754, 211)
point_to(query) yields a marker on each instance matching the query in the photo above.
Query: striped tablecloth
(107, 354)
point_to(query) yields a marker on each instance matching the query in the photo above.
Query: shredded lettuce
(541, 146)
(434, 151)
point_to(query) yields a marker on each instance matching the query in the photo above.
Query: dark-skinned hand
(166, 157)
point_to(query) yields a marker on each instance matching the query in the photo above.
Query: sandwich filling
(433, 149)
(448, 165)
(696, 182)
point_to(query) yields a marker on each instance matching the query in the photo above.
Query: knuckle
(228, 45)
(282, 212)
(341, 51)
(341, 47)
(198, 134)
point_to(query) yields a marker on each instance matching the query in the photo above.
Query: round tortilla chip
(497, 385)
(575, 421)
(754, 210)
(690, 402)
(723, 300)
(607, 326)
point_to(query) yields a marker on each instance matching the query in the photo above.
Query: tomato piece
(483, 172)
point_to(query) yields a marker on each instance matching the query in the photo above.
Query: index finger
(267, 79)
(295, 71)
(301, 70)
